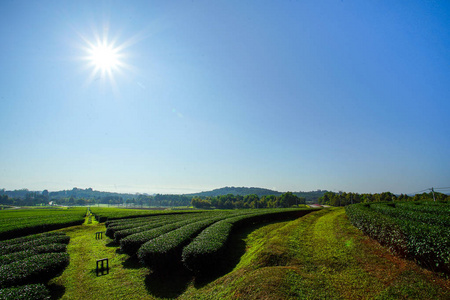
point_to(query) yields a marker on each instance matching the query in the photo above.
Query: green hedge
(436, 208)
(25, 292)
(204, 253)
(165, 250)
(205, 250)
(111, 228)
(142, 225)
(28, 238)
(35, 269)
(133, 242)
(16, 247)
(106, 214)
(404, 233)
(413, 213)
(15, 223)
(15, 256)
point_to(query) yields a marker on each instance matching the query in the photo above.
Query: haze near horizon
(189, 96)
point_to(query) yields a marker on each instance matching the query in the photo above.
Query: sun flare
(105, 57)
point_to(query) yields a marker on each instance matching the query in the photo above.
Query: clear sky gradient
(287, 95)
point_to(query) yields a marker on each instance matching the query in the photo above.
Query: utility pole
(434, 198)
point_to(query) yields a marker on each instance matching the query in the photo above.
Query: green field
(320, 255)
(21, 222)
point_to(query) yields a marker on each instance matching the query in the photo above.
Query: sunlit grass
(321, 256)
(79, 280)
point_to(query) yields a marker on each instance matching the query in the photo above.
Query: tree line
(343, 198)
(231, 201)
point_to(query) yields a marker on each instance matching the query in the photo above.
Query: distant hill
(89, 193)
(243, 191)
(312, 196)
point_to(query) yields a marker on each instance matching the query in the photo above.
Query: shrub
(14, 223)
(16, 247)
(165, 250)
(405, 232)
(28, 238)
(25, 292)
(133, 242)
(35, 269)
(207, 249)
(15, 256)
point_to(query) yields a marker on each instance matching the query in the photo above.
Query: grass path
(79, 280)
(321, 256)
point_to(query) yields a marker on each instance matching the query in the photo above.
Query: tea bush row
(31, 259)
(15, 256)
(435, 208)
(35, 269)
(167, 249)
(131, 243)
(39, 241)
(28, 238)
(119, 235)
(139, 226)
(405, 234)
(25, 292)
(207, 249)
(404, 213)
(15, 223)
(104, 214)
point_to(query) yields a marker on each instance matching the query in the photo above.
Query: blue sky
(288, 95)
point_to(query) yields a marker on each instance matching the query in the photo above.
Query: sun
(104, 57)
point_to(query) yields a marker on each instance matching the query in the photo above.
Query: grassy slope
(321, 256)
(317, 256)
(79, 280)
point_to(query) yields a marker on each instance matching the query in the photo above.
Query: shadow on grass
(131, 263)
(173, 281)
(56, 291)
(235, 249)
(169, 283)
(112, 243)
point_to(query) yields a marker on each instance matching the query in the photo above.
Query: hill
(312, 196)
(242, 191)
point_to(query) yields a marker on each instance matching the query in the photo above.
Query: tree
(289, 199)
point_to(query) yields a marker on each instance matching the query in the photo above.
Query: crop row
(404, 213)
(34, 269)
(25, 292)
(119, 235)
(14, 223)
(426, 243)
(39, 241)
(30, 261)
(140, 224)
(196, 239)
(130, 244)
(210, 245)
(103, 214)
(28, 238)
(47, 248)
(435, 208)
(165, 249)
